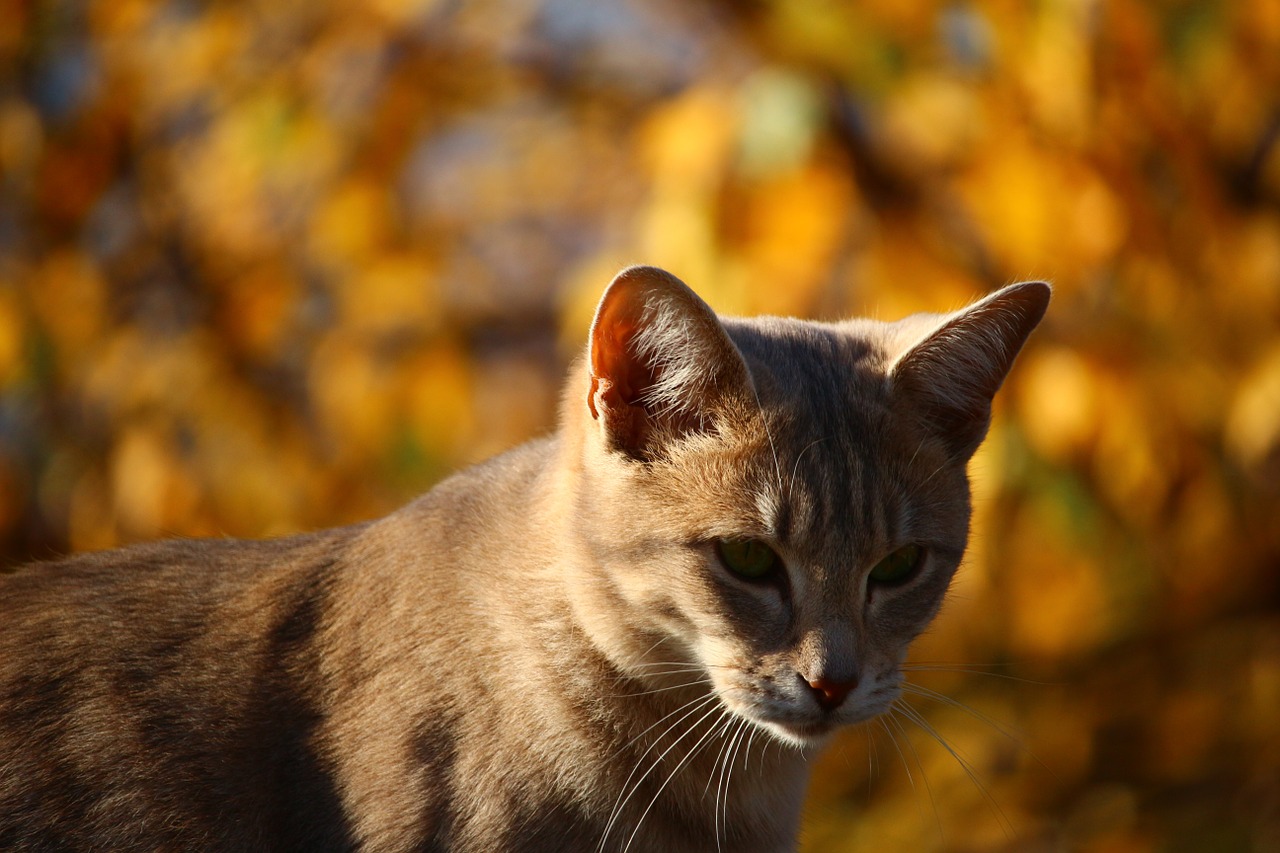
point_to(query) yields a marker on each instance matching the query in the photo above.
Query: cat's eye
(898, 566)
(748, 558)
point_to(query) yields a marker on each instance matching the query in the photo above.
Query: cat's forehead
(822, 377)
(830, 461)
(821, 458)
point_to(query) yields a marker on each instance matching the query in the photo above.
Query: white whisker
(895, 709)
(795, 468)
(916, 717)
(722, 787)
(714, 730)
(926, 693)
(969, 669)
(628, 789)
(680, 686)
(623, 794)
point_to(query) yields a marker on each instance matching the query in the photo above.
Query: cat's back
(94, 601)
(235, 695)
(132, 679)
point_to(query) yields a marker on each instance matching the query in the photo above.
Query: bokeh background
(272, 265)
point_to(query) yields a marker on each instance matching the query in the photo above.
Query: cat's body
(556, 650)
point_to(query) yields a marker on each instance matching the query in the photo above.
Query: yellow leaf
(350, 387)
(399, 13)
(1055, 67)
(438, 392)
(932, 119)
(352, 224)
(1253, 420)
(1013, 197)
(1057, 402)
(1135, 457)
(391, 293)
(258, 307)
(69, 297)
(1185, 734)
(140, 472)
(12, 341)
(781, 117)
(687, 141)
(794, 226)
(1058, 604)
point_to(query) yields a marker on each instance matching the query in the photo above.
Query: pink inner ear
(643, 311)
(619, 376)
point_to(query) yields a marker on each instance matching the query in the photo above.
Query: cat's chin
(813, 735)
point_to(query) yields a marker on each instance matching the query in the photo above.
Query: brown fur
(544, 652)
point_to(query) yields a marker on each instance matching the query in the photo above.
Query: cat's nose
(829, 693)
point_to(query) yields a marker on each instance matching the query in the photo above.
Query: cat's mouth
(804, 730)
(780, 716)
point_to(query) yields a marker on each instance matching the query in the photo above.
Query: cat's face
(779, 506)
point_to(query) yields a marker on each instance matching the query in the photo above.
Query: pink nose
(830, 694)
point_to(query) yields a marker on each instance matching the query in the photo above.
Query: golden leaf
(1253, 420)
(1057, 402)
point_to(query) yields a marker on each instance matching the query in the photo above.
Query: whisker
(911, 462)
(722, 787)
(699, 702)
(689, 664)
(764, 420)
(727, 756)
(1013, 737)
(916, 717)
(684, 711)
(717, 770)
(884, 724)
(873, 759)
(660, 689)
(970, 669)
(746, 752)
(723, 724)
(628, 789)
(795, 468)
(942, 698)
(946, 463)
(661, 640)
(714, 730)
(924, 777)
(750, 730)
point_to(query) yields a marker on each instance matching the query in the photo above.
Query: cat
(634, 634)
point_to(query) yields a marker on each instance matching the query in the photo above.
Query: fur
(543, 653)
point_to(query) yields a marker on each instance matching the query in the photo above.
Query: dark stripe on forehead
(825, 393)
(864, 527)
(834, 493)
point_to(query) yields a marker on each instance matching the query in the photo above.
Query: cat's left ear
(661, 364)
(950, 376)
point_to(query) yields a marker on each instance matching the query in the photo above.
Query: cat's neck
(657, 721)
(619, 715)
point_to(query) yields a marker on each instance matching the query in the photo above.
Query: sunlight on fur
(636, 634)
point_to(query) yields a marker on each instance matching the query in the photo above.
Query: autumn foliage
(276, 265)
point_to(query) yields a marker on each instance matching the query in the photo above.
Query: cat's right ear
(951, 375)
(660, 362)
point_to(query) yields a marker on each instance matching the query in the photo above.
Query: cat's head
(778, 506)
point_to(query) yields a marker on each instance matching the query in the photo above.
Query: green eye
(748, 558)
(898, 566)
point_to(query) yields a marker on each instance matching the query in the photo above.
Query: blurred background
(273, 265)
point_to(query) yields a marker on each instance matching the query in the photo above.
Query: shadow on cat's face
(820, 483)
(774, 508)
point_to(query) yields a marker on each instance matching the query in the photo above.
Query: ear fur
(660, 362)
(951, 374)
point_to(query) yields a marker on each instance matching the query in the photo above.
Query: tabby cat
(634, 634)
